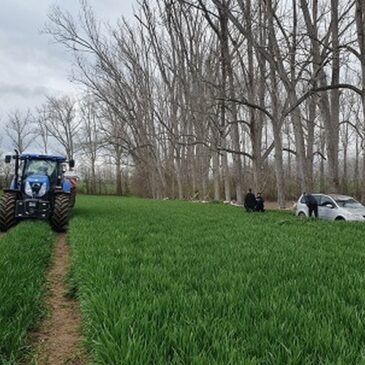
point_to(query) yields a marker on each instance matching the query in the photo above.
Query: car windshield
(40, 167)
(349, 203)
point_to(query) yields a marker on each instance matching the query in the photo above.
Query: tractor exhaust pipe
(16, 178)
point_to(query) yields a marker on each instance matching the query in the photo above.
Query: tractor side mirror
(64, 168)
(7, 159)
(71, 164)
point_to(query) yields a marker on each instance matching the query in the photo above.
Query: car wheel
(301, 215)
(339, 219)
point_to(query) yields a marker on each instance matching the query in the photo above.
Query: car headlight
(28, 189)
(42, 190)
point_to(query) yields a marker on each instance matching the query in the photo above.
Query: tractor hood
(36, 186)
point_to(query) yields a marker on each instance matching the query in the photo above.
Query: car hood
(357, 211)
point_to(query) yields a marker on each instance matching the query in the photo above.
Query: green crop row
(182, 283)
(24, 255)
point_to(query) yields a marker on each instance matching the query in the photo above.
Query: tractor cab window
(21, 168)
(40, 167)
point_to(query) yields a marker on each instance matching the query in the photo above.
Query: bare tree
(360, 54)
(61, 123)
(203, 98)
(90, 137)
(19, 129)
(40, 128)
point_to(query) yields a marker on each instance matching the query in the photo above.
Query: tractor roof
(36, 156)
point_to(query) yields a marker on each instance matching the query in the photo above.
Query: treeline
(203, 99)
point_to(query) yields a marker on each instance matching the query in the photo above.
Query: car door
(301, 206)
(324, 209)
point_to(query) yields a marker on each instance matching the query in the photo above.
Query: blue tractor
(39, 189)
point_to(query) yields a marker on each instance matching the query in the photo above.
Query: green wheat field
(171, 282)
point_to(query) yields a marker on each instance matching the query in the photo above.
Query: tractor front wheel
(72, 198)
(59, 217)
(7, 211)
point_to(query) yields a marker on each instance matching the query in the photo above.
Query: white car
(334, 207)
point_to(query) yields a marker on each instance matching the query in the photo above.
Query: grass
(181, 283)
(24, 255)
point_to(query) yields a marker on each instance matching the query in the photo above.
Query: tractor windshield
(40, 167)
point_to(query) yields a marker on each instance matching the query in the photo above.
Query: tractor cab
(39, 189)
(37, 174)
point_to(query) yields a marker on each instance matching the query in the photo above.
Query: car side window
(318, 198)
(325, 200)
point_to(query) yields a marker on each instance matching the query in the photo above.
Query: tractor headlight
(42, 190)
(28, 189)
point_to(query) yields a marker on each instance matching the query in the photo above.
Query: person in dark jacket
(260, 203)
(250, 201)
(311, 203)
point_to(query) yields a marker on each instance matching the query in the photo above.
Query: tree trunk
(299, 143)
(345, 148)
(118, 178)
(310, 142)
(217, 195)
(333, 133)
(179, 180)
(360, 27)
(276, 126)
(226, 177)
(279, 169)
(356, 168)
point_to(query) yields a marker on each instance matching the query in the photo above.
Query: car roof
(340, 197)
(333, 196)
(315, 194)
(36, 156)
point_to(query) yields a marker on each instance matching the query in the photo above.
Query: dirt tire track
(58, 342)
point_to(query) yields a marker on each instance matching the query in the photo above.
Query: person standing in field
(312, 204)
(250, 201)
(260, 203)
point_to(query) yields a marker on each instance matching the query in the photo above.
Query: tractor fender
(12, 185)
(66, 186)
(11, 190)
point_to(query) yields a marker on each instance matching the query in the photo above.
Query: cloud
(22, 90)
(31, 66)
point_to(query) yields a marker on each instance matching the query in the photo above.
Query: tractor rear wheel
(59, 217)
(7, 211)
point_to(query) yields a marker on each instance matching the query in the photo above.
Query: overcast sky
(31, 66)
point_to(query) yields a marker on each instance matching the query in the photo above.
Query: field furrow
(58, 340)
